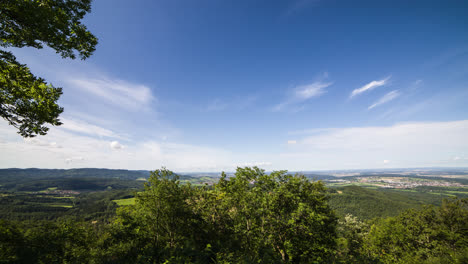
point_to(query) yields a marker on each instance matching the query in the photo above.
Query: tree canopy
(253, 217)
(249, 217)
(28, 102)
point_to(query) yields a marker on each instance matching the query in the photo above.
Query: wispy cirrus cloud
(302, 93)
(122, 93)
(311, 90)
(82, 127)
(370, 86)
(238, 103)
(385, 99)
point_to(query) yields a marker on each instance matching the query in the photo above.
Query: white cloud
(74, 160)
(259, 164)
(386, 98)
(79, 126)
(386, 162)
(40, 142)
(186, 157)
(301, 94)
(416, 144)
(238, 103)
(370, 86)
(115, 145)
(121, 93)
(84, 150)
(422, 135)
(315, 89)
(292, 142)
(310, 131)
(458, 158)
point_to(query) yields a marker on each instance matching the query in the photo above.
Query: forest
(249, 217)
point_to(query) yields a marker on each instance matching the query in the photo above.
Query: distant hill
(87, 179)
(74, 173)
(34, 180)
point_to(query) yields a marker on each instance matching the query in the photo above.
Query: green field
(122, 202)
(458, 192)
(61, 205)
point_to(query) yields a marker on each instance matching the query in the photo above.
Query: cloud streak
(385, 99)
(302, 93)
(78, 126)
(234, 104)
(370, 86)
(122, 93)
(312, 90)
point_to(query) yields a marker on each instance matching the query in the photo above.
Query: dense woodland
(251, 217)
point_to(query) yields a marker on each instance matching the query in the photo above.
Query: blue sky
(293, 84)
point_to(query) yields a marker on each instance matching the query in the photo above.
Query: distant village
(398, 182)
(63, 193)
